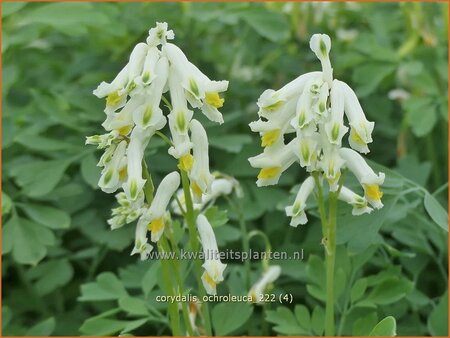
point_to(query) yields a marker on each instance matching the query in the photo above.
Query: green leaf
(369, 76)
(270, 25)
(318, 320)
(303, 317)
(9, 8)
(90, 171)
(44, 328)
(38, 178)
(150, 278)
(438, 318)
(42, 143)
(50, 275)
(422, 114)
(226, 234)
(50, 217)
(133, 306)
(26, 240)
(363, 326)
(358, 289)
(6, 203)
(228, 317)
(107, 287)
(103, 326)
(436, 211)
(385, 328)
(216, 216)
(285, 322)
(230, 143)
(389, 291)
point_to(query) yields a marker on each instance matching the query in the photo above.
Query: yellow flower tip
(113, 99)
(156, 225)
(372, 192)
(356, 138)
(123, 173)
(213, 99)
(267, 173)
(125, 130)
(270, 137)
(185, 162)
(208, 280)
(196, 190)
(252, 296)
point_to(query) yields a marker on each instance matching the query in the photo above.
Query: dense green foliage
(65, 273)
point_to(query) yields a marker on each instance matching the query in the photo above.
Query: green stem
(245, 240)
(176, 269)
(330, 256)
(190, 220)
(174, 316)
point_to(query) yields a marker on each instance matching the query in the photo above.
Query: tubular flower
(214, 268)
(134, 113)
(257, 291)
(313, 107)
(200, 176)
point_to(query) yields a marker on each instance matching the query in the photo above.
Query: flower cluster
(134, 116)
(313, 107)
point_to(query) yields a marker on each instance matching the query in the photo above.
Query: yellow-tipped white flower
(366, 176)
(158, 208)
(273, 162)
(361, 129)
(213, 266)
(308, 149)
(201, 92)
(271, 100)
(297, 210)
(257, 291)
(114, 171)
(149, 114)
(359, 203)
(199, 175)
(114, 91)
(122, 122)
(320, 44)
(135, 66)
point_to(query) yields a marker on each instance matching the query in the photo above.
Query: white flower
(297, 210)
(273, 162)
(135, 153)
(361, 129)
(320, 44)
(335, 128)
(158, 208)
(149, 68)
(213, 266)
(201, 92)
(136, 65)
(331, 164)
(102, 141)
(159, 34)
(271, 101)
(141, 245)
(366, 176)
(179, 120)
(114, 91)
(122, 122)
(200, 176)
(359, 203)
(308, 149)
(258, 289)
(127, 212)
(114, 171)
(149, 114)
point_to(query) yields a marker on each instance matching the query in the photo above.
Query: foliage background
(62, 266)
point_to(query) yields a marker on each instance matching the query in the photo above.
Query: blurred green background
(55, 236)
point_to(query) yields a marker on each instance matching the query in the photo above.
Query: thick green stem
(330, 257)
(190, 220)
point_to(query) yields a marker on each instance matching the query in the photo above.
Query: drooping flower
(257, 291)
(359, 203)
(214, 268)
(297, 210)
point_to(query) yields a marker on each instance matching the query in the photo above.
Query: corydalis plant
(134, 115)
(313, 107)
